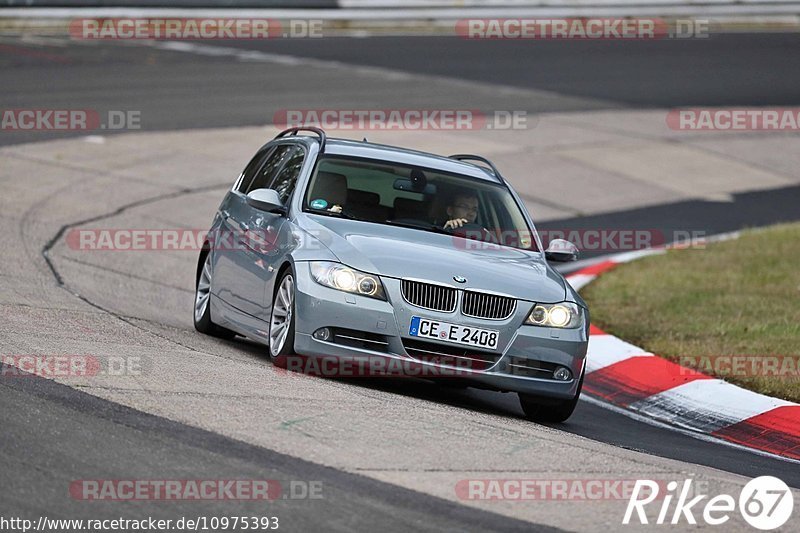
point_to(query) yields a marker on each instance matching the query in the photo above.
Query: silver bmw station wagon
(343, 249)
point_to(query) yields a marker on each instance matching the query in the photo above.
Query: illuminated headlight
(343, 278)
(560, 315)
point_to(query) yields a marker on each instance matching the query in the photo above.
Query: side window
(266, 173)
(286, 180)
(250, 170)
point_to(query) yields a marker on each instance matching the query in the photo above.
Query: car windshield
(420, 198)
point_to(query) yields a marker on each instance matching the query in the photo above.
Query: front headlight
(561, 315)
(343, 278)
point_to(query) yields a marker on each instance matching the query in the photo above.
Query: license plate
(444, 331)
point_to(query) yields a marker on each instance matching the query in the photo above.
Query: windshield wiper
(333, 214)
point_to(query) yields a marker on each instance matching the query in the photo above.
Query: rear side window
(251, 169)
(286, 180)
(267, 172)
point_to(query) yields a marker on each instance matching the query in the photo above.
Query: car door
(264, 237)
(235, 215)
(224, 239)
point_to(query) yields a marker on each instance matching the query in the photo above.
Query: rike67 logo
(765, 503)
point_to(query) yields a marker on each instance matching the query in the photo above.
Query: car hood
(408, 253)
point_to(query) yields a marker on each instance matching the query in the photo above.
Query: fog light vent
(322, 334)
(562, 373)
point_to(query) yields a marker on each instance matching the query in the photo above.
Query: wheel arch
(204, 251)
(287, 264)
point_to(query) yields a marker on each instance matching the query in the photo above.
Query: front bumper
(318, 306)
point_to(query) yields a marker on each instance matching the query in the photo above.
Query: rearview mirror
(266, 200)
(561, 251)
(402, 184)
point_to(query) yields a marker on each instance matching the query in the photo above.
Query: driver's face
(464, 208)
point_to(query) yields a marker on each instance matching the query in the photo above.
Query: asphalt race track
(385, 452)
(174, 90)
(154, 447)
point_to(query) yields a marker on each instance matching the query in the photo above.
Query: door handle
(235, 223)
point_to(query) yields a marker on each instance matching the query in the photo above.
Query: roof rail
(470, 157)
(293, 131)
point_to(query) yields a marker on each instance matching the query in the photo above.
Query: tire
(549, 410)
(202, 301)
(282, 318)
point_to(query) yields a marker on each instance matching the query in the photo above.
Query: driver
(463, 209)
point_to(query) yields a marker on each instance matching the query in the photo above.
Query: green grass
(738, 297)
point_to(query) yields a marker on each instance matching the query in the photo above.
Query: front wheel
(281, 323)
(540, 409)
(202, 303)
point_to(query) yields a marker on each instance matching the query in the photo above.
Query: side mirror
(561, 251)
(266, 200)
